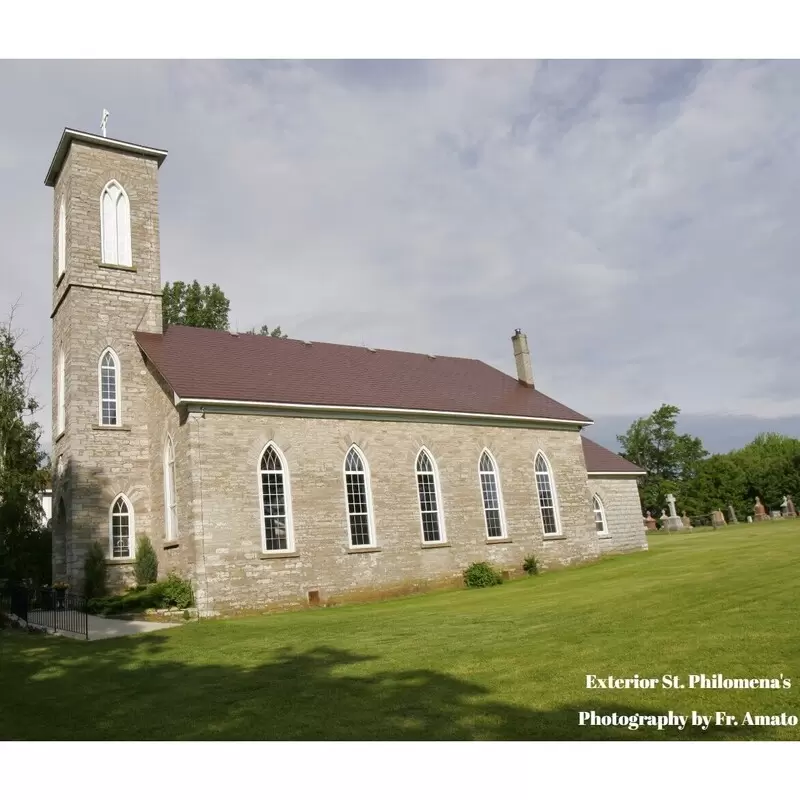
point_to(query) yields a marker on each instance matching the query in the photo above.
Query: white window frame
(122, 256)
(131, 529)
(553, 494)
(170, 494)
(367, 490)
(61, 394)
(434, 471)
(495, 472)
(599, 505)
(62, 238)
(287, 499)
(117, 389)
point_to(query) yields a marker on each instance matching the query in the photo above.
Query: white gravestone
(673, 522)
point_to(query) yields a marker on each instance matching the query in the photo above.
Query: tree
(265, 331)
(669, 458)
(23, 541)
(195, 305)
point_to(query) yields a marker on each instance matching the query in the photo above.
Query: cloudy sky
(636, 219)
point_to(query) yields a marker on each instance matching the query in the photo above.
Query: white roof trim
(70, 135)
(375, 410)
(614, 474)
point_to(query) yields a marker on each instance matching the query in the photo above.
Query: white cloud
(636, 218)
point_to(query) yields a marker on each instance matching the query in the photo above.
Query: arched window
(359, 500)
(115, 226)
(109, 388)
(430, 509)
(548, 500)
(170, 501)
(61, 393)
(62, 238)
(492, 498)
(276, 502)
(121, 528)
(600, 524)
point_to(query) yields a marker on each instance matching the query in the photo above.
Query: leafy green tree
(195, 305)
(670, 458)
(23, 541)
(719, 481)
(265, 331)
(771, 463)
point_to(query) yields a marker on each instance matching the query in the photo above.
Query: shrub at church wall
(95, 572)
(481, 574)
(146, 568)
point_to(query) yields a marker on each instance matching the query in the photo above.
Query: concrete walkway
(102, 628)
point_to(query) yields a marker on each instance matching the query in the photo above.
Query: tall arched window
(62, 238)
(115, 225)
(170, 501)
(109, 388)
(492, 498)
(548, 499)
(359, 500)
(276, 502)
(600, 524)
(430, 509)
(121, 529)
(61, 411)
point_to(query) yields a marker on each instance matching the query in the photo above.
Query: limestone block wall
(620, 497)
(97, 306)
(233, 572)
(177, 554)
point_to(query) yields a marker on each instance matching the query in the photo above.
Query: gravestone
(759, 511)
(749, 518)
(784, 507)
(775, 514)
(673, 521)
(687, 523)
(649, 522)
(790, 506)
(717, 518)
(732, 516)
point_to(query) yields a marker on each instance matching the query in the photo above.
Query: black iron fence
(53, 609)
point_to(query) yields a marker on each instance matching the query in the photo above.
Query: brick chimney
(523, 358)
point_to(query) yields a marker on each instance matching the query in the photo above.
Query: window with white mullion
(490, 491)
(109, 389)
(358, 500)
(276, 515)
(599, 516)
(122, 534)
(170, 499)
(429, 509)
(115, 226)
(547, 497)
(61, 420)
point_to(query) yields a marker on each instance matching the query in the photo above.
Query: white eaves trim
(373, 410)
(614, 474)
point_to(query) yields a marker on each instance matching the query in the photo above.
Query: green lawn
(509, 662)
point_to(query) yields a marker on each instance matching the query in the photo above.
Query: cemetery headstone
(732, 515)
(759, 511)
(673, 522)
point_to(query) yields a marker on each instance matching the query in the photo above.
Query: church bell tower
(106, 286)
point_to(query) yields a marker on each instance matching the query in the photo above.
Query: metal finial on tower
(103, 122)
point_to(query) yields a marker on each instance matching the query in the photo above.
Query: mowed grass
(509, 662)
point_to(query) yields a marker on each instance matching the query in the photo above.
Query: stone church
(277, 472)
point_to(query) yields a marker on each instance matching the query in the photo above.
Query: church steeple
(106, 286)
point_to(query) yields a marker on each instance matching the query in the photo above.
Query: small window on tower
(109, 389)
(115, 226)
(62, 238)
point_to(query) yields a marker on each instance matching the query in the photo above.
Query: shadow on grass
(132, 689)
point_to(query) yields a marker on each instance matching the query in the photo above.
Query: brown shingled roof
(598, 459)
(215, 365)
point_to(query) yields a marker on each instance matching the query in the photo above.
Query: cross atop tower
(103, 122)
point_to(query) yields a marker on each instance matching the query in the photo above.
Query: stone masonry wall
(176, 555)
(95, 306)
(233, 572)
(620, 498)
